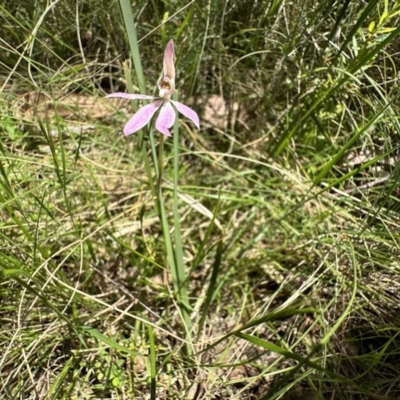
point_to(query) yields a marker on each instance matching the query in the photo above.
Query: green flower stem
(182, 279)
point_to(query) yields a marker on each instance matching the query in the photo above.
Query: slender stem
(179, 259)
(160, 163)
(147, 167)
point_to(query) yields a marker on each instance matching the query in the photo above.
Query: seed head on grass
(167, 114)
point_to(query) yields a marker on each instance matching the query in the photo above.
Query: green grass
(268, 269)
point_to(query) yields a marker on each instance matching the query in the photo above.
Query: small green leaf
(277, 349)
(383, 17)
(99, 336)
(116, 382)
(371, 27)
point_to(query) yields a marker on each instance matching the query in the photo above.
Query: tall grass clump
(254, 258)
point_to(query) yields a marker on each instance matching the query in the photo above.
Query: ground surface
(283, 223)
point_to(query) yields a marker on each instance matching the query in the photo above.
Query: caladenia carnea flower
(167, 113)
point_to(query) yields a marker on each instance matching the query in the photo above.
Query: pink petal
(169, 68)
(166, 118)
(131, 96)
(141, 118)
(187, 112)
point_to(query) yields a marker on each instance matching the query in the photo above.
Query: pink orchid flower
(166, 116)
